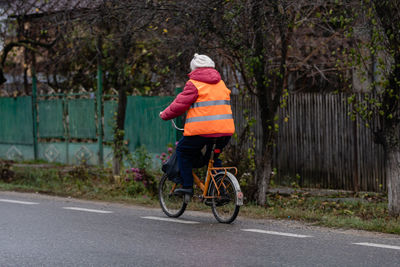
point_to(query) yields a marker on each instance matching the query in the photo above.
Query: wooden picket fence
(319, 143)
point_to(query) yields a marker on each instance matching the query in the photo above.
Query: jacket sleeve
(181, 103)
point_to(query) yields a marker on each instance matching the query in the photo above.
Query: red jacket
(189, 95)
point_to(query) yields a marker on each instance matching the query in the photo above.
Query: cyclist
(209, 118)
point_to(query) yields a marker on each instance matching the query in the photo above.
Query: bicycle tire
(224, 208)
(173, 206)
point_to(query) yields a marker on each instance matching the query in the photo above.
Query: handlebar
(176, 127)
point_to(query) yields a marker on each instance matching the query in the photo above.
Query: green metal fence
(110, 109)
(16, 128)
(68, 127)
(51, 124)
(143, 125)
(82, 121)
(16, 121)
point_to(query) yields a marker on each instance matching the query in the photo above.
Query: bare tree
(17, 31)
(382, 19)
(125, 33)
(256, 40)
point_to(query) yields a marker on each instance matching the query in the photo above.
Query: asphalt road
(38, 230)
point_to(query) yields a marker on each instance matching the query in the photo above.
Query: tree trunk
(26, 63)
(263, 176)
(387, 13)
(393, 180)
(263, 155)
(116, 165)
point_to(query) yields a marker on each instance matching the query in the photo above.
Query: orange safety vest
(211, 113)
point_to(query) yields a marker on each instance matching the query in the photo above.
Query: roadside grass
(363, 212)
(366, 211)
(78, 182)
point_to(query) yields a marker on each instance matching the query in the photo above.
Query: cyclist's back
(209, 118)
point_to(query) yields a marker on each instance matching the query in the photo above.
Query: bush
(6, 172)
(135, 188)
(138, 179)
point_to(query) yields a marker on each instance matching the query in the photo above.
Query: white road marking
(88, 210)
(18, 202)
(169, 220)
(377, 245)
(275, 233)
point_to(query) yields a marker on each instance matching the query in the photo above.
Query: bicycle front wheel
(172, 206)
(224, 206)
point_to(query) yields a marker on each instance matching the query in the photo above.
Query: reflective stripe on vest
(210, 118)
(210, 103)
(211, 113)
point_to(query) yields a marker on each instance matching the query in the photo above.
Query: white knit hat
(201, 61)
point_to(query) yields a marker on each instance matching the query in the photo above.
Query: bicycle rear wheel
(172, 206)
(224, 206)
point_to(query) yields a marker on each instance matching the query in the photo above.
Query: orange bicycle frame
(210, 177)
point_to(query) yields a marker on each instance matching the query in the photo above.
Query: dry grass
(364, 212)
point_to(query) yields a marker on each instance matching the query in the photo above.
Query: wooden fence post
(356, 180)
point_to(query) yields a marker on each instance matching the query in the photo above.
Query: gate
(67, 130)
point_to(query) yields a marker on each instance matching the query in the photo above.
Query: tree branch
(25, 43)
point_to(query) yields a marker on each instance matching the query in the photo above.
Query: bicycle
(221, 191)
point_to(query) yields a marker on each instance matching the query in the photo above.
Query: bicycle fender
(239, 193)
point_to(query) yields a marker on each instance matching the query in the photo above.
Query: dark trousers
(188, 150)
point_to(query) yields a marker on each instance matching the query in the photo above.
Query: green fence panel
(51, 118)
(16, 152)
(143, 125)
(82, 120)
(53, 152)
(16, 120)
(110, 107)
